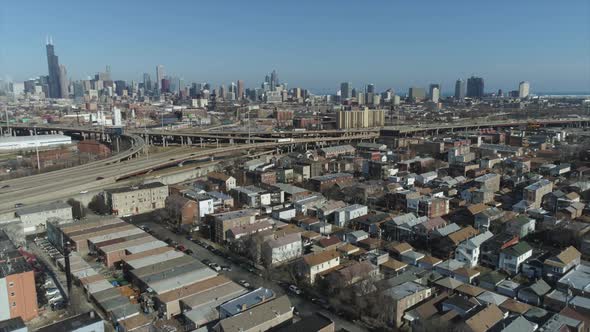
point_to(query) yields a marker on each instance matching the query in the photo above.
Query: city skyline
(320, 57)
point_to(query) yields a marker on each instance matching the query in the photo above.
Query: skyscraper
(345, 90)
(431, 87)
(274, 79)
(371, 88)
(523, 89)
(63, 82)
(417, 94)
(475, 87)
(53, 69)
(240, 91)
(434, 94)
(159, 74)
(147, 82)
(460, 90)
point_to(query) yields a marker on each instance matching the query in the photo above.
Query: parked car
(51, 291)
(295, 290)
(206, 262)
(58, 305)
(188, 252)
(215, 267)
(226, 268)
(168, 240)
(55, 299)
(321, 302)
(180, 247)
(244, 283)
(49, 283)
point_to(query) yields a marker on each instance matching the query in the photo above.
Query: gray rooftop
(404, 290)
(249, 300)
(42, 208)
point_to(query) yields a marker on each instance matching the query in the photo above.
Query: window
(10, 284)
(12, 294)
(14, 304)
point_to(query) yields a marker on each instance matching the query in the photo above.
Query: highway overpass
(62, 184)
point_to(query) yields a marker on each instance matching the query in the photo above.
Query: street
(303, 305)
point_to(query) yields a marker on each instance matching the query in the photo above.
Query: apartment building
(136, 199)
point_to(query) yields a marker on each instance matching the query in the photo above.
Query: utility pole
(37, 148)
(6, 118)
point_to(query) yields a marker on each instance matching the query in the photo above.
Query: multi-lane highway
(59, 185)
(65, 183)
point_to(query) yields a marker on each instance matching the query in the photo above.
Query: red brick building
(94, 147)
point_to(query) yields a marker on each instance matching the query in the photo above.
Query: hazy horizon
(311, 45)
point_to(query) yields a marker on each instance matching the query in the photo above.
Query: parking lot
(209, 252)
(54, 280)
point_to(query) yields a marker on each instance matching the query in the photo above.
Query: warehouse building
(34, 218)
(33, 142)
(77, 233)
(168, 303)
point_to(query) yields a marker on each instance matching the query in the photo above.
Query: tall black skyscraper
(53, 68)
(475, 87)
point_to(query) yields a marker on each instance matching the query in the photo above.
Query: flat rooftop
(73, 323)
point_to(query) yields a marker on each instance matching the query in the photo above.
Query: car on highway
(99, 178)
(84, 192)
(17, 205)
(5, 186)
(295, 290)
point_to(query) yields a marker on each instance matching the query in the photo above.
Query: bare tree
(78, 209)
(98, 205)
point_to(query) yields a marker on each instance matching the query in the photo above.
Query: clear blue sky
(314, 44)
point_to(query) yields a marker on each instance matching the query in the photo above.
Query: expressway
(60, 185)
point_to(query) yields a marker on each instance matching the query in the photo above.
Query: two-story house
(556, 266)
(468, 250)
(511, 258)
(316, 263)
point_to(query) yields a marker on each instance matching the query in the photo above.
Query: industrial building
(89, 321)
(34, 218)
(78, 233)
(32, 142)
